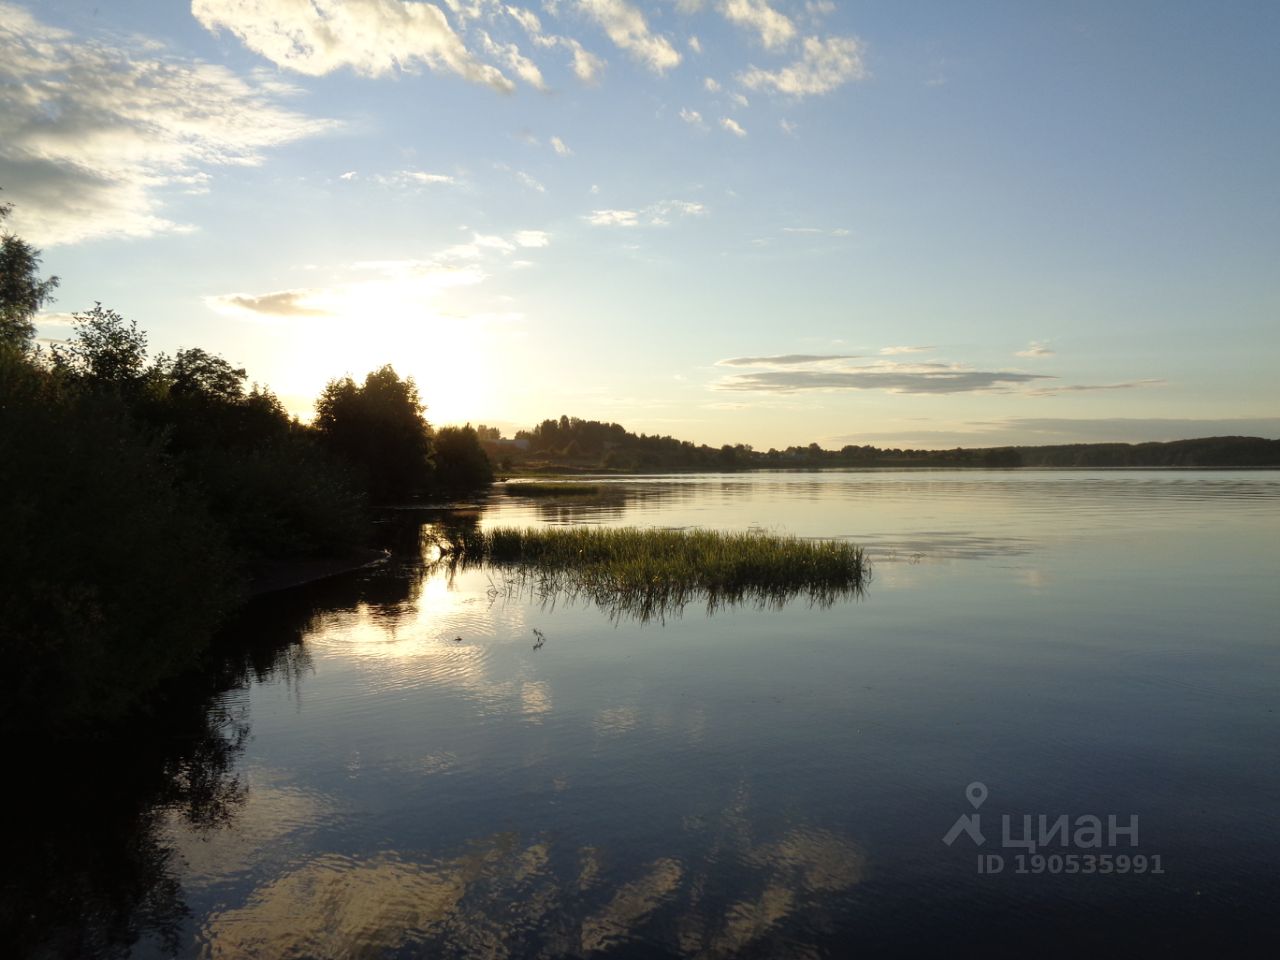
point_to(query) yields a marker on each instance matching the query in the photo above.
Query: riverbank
(287, 574)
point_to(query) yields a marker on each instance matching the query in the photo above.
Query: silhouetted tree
(378, 429)
(197, 373)
(461, 463)
(104, 349)
(22, 292)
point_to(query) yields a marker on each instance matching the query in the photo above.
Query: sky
(770, 222)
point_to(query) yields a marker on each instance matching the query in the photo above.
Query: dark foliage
(377, 429)
(461, 463)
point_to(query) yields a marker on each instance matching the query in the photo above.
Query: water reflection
(416, 761)
(507, 897)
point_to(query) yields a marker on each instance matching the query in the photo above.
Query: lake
(406, 763)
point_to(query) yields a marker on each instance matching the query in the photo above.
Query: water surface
(452, 767)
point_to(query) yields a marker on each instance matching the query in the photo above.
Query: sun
(458, 359)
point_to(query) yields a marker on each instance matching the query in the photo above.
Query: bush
(112, 578)
(461, 465)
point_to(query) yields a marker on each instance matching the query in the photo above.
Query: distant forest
(570, 444)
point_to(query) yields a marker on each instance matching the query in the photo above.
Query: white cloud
(628, 29)
(516, 62)
(660, 214)
(349, 175)
(419, 177)
(532, 238)
(775, 29)
(823, 66)
(711, 85)
(896, 351)
(695, 44)
(1036, 348)
(657, 214)
(586, 65)
(93, 133)
(728, 123)
(738, 100)
(788, 127)
(613, 218)
(372, 37)
(560, 147)
(692, 117)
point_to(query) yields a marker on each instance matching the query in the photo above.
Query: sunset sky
(759, 221)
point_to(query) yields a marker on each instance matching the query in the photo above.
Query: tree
(198, 374)
(104, 349)
(22, 292)
(378, 429)
(461, 463)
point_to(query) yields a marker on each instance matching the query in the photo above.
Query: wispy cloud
(655, 215)
(530, 182)
(613, 218)
(774, 29)
(371, 37)
(895, 351)
(532, 238)
(732, 126)
(693, 118)
(586, 66)
(1092, 387)
(93, 133)
(785, 359)
(1053, 430)
(626, 26)
(409, 284)
(831, 373)
(817, 231)
(824, 65)
(515, 61)
(1036, 348)
(421, 178)
(284, 303)
(560, 147)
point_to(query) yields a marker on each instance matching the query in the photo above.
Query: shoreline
(287, 574)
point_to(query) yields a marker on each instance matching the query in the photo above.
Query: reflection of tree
(91, 873)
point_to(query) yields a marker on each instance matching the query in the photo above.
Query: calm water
(409, 770)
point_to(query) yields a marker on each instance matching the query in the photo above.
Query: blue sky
(730, 220)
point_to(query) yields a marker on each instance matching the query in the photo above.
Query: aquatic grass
(648, 573)
(561, 488)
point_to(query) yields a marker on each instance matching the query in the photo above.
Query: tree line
(576, 444)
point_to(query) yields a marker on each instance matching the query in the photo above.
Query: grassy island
(651, 573)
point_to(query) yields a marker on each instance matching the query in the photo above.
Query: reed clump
(648, 573)
(559, 488)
